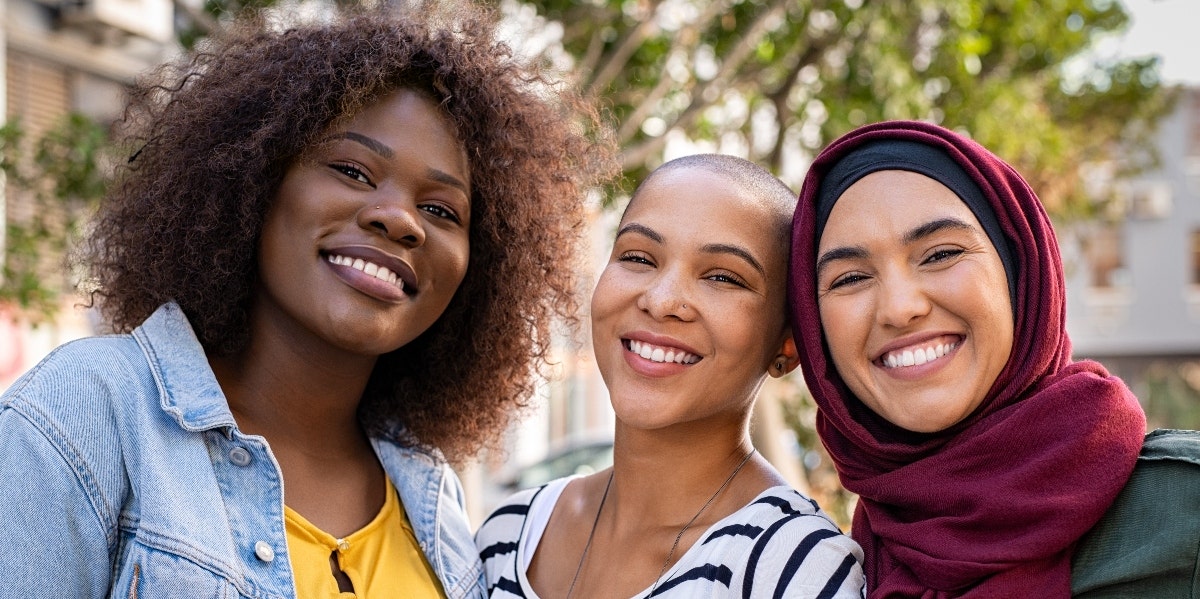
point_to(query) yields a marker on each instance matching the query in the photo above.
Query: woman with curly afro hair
(331, 265)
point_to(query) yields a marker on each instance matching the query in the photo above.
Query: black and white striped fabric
(779, 545)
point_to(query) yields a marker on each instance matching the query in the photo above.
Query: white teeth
(661, 354)
(911, 357)
(379, 272)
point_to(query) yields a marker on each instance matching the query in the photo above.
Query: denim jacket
(123, 474)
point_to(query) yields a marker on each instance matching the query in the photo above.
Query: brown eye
(847, 279)
(351, 171)
(942, 255)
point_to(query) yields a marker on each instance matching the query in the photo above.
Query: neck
(665, 476)
(289, 392)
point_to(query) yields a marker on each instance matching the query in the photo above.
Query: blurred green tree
(58, 178)
(779, 79)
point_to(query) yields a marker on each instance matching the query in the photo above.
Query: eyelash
(723, 277)
(351, 171)
(937, 256)
(942, 255)
(635, 257)
(726, 277)
(441, 212)
(847, 279)
(355, 173)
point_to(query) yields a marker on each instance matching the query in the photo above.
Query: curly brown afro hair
(213, 134)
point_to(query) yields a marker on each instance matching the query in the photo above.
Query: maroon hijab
(993, 506)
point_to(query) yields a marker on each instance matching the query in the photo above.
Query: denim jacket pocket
(149, 573)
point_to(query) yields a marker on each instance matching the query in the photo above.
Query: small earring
(779, 366)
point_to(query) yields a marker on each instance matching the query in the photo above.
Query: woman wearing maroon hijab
(928, 305)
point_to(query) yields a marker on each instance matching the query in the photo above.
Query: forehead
(692, 200)
(892, 201)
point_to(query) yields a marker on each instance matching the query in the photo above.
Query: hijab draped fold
(994, 505)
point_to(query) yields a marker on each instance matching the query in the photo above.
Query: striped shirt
(779, 545)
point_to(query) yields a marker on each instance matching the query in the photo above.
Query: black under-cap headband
(905, 155)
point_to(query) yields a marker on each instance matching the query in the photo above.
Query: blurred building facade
(59, 57)
(1133, 289)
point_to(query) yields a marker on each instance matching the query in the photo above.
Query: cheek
(610, 294)
(842, 321)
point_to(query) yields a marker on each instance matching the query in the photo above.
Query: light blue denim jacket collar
(429, 489)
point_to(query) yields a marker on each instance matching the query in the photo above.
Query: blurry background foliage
(773, 80)
(63, 175)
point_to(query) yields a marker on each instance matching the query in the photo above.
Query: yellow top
(382, 559)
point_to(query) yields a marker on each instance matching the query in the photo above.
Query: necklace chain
(678, 537)
(591, 534)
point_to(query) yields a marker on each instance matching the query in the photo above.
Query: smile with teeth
(655, 353)
(916, 356)
(370, 268)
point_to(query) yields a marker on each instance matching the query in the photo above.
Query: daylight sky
(1168, 28)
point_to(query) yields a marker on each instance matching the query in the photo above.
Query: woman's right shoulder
(508, 517)
(79, 396)
(91, 366)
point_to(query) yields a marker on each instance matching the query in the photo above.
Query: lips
(377, 264)
(918, 353)
(659, 353)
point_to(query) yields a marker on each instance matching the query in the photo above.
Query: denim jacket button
(264, 551)
(239, 456)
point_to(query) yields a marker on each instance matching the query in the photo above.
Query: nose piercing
(683, 306)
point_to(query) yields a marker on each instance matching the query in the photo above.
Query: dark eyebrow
(740, 252)
(448, 179)
(379, 148)
(916, 234)
(711, 248)
(932, 227)
(372, 144)
(841, 253)
(643, 229)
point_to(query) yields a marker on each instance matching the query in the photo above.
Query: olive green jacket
(1148, 544)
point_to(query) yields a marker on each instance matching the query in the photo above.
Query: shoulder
(1148, 543)
(793, 523)
(80, 382)
(1168, 445)
(503, 525)
(782, 544)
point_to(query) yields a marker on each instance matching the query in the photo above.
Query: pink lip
(917, 372)
(650, 368)
(660, 340)
(381, 290)
(910, 340)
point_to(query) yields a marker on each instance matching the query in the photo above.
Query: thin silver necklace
(674, 546)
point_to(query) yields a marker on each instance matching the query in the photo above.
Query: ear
(787, 359)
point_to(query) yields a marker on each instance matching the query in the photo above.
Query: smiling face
(914, 300)
(689, 313)
(366, 241)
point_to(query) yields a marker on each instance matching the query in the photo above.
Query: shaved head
(757, 181)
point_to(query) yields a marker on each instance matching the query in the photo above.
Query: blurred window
(1105, 257)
